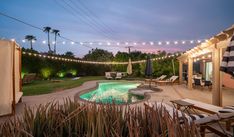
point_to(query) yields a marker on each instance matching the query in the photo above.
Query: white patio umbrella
(227, 64)
(129, 68)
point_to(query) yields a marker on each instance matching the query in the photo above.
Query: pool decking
(169, 93)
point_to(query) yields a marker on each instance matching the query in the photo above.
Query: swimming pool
(113, 92)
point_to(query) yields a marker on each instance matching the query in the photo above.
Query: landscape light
(117, 43)
(151, 43)
(81, 43)
(33, 41)
(159, 43)
(44, 42)
(53, 42)
(108, 43)
(64, 42)
(176, 42)
(91, 43)
(23, 40)
(72, 43)
(99, 43)
(191, 41)
(143, 43)
(198, 41)
(183, 42)
(135, 43)
(126, 43)
(167, 42)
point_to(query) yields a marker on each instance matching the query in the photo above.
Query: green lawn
(46, 86)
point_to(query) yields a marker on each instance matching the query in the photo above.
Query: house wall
(228, 81)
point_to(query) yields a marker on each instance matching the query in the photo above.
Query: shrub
(76, 119)
(46, 72)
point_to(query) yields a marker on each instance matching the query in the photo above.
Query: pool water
(113, 92)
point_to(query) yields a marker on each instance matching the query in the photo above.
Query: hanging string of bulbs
(175, 42)
(96, 62)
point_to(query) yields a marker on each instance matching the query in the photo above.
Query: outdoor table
(182, 105)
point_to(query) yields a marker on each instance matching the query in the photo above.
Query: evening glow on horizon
(148, 26)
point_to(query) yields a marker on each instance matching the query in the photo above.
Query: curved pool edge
(147, 96)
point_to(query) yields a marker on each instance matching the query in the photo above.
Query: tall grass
(89, 120)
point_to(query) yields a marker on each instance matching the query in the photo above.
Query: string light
(95, 62)
(176, 42)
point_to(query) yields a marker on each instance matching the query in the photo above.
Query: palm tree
(56, 33)
(47, 30)
(30, 38)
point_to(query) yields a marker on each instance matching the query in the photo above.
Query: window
(208, 72)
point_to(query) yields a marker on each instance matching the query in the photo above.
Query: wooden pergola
(214, 49)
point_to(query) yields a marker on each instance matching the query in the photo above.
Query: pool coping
(147, 95)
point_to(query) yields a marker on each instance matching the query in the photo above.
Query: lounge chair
(171, 80)
(201, 120)
(108, 75)
(156, 79)
(212, 123)
(118, 75)
(212, 109)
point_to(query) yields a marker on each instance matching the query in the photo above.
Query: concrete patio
(170, 92)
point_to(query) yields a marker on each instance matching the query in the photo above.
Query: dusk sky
(116, 21)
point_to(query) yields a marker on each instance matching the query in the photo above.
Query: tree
(69, 54)
(99, 55)
(47, 30)
(56, 33)
(30, 38)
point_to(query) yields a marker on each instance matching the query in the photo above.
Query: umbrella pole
(150, 82)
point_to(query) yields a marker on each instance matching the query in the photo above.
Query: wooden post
(190, 72)
(216, 89)
(180, 72)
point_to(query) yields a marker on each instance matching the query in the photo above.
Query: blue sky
(120, 20)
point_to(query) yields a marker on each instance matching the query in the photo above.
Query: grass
(47, 86)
